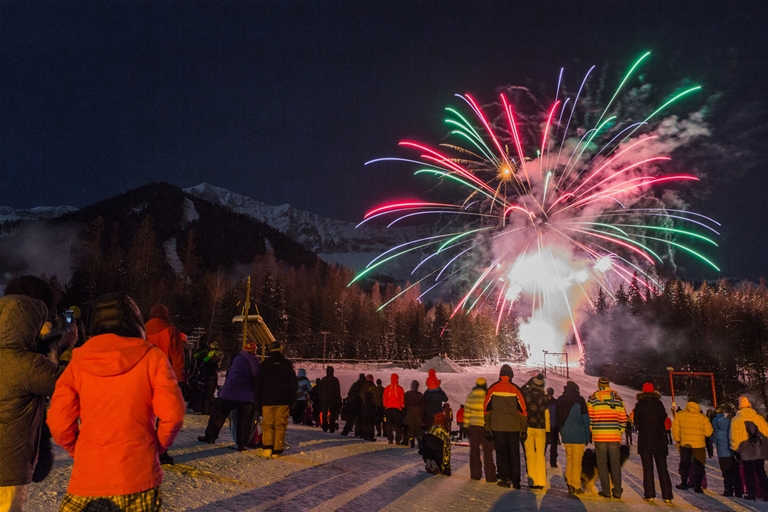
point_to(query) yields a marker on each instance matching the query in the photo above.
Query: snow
(36, 213)
(172, 257)
(190, 213)
(322, 471)
(335, 241)
(442, 364)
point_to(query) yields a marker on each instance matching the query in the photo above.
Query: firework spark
(545, 228)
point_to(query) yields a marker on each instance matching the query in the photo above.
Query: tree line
(646, 329)
(310, 307)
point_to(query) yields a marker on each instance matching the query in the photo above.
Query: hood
(156, 325)
(329, 371)
(692, 407)
(394, 379)
(432, 381)
(21, 319)
(654, 394)
(109, 354)
(747, 413)
(302, 372)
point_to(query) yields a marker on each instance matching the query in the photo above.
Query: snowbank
(442, 364)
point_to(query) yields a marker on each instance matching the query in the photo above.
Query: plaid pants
(150, 500)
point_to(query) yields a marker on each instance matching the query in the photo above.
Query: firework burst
(548, 219)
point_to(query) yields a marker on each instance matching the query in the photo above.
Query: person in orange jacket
(165, 336)
(394, 403)
(104, 408)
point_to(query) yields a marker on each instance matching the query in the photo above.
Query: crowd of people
(117, 402)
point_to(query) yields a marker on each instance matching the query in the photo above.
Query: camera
(69, 317)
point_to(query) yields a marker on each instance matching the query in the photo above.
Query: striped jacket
(607, 416)
(473, 408)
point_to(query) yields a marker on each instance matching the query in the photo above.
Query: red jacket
(167, 338)
(116, 387)
(394, 396)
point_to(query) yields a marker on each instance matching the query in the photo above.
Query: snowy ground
(329, 472)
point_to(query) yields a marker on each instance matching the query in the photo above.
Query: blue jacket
(576, 427)
(552, 406)
(722, 426)
(241, 378)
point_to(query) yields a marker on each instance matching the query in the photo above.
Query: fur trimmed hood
(653, 394)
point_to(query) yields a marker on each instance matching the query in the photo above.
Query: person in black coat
(650, 416)
(275, 396)
(330, 398)
(354, 404)
(314, 396)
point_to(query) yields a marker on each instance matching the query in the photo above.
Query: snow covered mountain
(335, 241)
(8, 214)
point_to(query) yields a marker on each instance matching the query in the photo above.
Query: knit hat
(744, 402)
(538, 381)
(275, 347)
(439, 418)
(603, 382)
(551, 391)
(506, 370)
(648, 388)
(432, 381)
(160, 311)
(481, 382)
(571, 384)
(250, 347)
(116, 313)
(369, 377)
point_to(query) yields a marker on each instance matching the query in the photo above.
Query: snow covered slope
(335, 241)
(37, 213)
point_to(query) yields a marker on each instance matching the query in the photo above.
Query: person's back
(436, 447)
(164, 335)
(106, 403)
(26, 378)
(275, 395)
(607, 416)
(276, 381)
(434, 397)
(690, 427)
(721, 426)
(749, 438)
(608, 419)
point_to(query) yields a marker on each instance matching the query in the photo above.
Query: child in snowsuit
(436, 448)
(368, 415)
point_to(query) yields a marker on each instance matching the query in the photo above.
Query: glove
(488, 435)
(523, 435)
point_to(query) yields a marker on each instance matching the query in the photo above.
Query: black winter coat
(536, 404)
(276, 382)
(26, 378)
(414, 405)
(433, 400)
(649, 420)
(330, 391)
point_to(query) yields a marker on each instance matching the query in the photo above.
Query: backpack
(756, 445)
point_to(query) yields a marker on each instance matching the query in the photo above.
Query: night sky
(285, 101)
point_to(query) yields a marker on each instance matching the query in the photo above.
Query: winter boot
(165, 458)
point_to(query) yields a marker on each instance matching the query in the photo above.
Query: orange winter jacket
(167, 338)
(394, 396)
(103, 413)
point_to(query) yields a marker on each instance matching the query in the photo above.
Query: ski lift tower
(253, 325)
